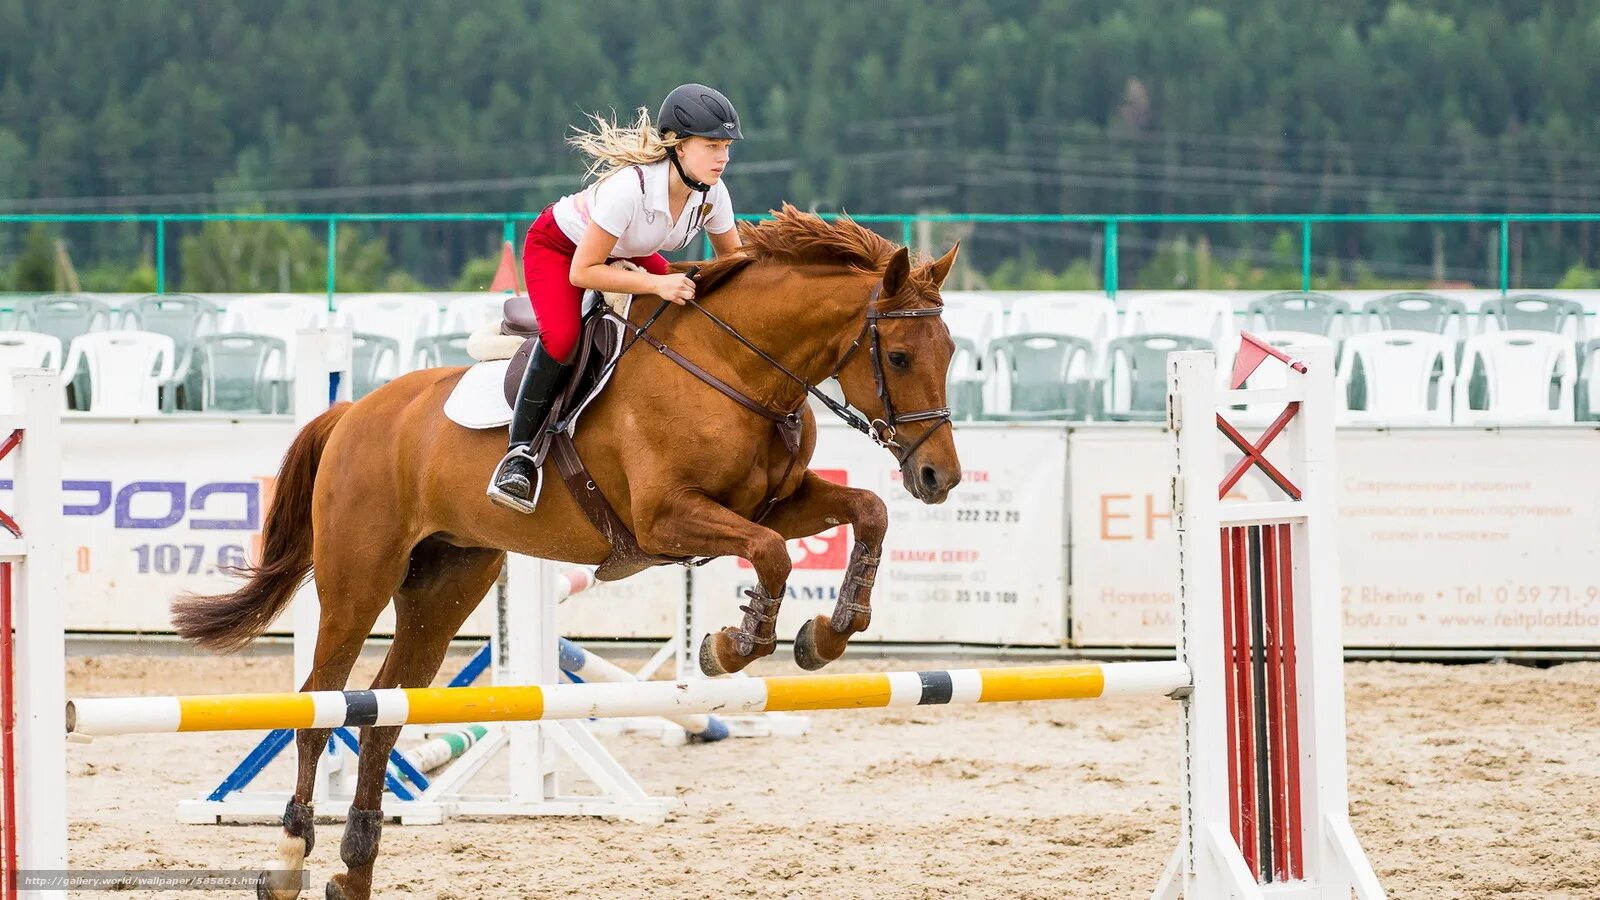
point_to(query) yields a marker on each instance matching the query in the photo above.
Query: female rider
(659, 184)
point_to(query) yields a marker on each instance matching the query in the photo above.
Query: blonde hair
(611, 146)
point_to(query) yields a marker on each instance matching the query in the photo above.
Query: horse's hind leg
(445, 585)
(695, 525)
(351, 592)
(818, 505)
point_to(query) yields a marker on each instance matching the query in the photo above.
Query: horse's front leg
(693, 524)
(818, 505)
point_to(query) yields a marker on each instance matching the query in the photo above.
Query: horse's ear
(711, 275)
(941, 266)
(896, 273)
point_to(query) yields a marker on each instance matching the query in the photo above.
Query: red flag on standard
(1251, 353)
(1252, 350)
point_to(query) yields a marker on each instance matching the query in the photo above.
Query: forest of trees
(1014, 106)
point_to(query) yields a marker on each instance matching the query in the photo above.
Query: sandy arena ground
(1479, 781)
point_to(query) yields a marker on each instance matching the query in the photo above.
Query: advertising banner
(158, 509)
(1447, 538)
(987, 566)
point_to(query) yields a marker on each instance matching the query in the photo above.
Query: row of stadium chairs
(125, 373)
(978, 318)
(236, 358)
(1394, 377)
(1388, 377)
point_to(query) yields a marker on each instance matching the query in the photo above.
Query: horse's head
(896, 375)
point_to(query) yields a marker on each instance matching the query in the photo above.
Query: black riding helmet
(701, 111)
(694, 109)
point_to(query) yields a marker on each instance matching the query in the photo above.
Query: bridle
(882, 431)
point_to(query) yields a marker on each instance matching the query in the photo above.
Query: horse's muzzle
(929, 483)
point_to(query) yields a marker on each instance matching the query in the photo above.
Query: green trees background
(1010, 106)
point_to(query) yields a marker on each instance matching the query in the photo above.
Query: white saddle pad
(479, 401)
(479, 398)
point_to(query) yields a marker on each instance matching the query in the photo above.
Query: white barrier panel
(644, 606)
(1447, 538)
(986, 567)
(1467, 538)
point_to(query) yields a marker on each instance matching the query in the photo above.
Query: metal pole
(1110, 277)
(905, 232)
(1305, 256)
(1505, 254)
(161, 255)
(333, 257)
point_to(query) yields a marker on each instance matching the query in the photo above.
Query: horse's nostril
(930, 478)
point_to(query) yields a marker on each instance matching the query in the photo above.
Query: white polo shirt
(639, 216)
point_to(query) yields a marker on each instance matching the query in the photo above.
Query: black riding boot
(513, 479)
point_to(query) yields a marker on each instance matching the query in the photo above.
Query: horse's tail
(227, 622)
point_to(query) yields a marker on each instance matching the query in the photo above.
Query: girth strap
(625, 550)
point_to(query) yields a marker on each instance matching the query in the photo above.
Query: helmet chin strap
(702, 187)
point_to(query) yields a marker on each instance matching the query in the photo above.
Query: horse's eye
(899, 360)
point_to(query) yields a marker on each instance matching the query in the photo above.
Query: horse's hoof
(336, 889)
(287, 889)
(805, 648)
(710, 665)
(263, 892)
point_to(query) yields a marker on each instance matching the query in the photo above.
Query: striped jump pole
(441, 748)
(533, 703)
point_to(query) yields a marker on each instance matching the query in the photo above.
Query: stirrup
(516, 504)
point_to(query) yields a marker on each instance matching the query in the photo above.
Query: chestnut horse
(384, 498)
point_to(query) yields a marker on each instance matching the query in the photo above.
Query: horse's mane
(793, 237)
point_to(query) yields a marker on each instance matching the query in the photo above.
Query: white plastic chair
(1535, 312)
(406, 319)
(1089, 315)
(275, 315)
(1407, 376)
(974, 320)
(126, 370)
(1527, 378)
(29, 350)
(1195, 313)
(973, 316)
(1078, 314)
(467, 313)
(1086, 315)
(1588, 389)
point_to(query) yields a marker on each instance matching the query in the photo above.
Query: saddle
(602, 341)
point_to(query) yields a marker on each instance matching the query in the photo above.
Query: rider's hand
(676, 288)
